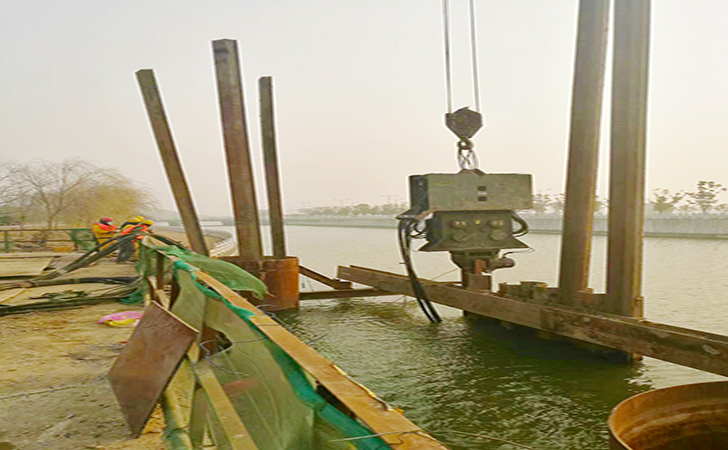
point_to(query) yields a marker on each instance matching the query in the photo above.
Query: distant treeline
(703, 200)
(362, 209)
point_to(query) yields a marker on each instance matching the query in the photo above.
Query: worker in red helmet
(104, 229)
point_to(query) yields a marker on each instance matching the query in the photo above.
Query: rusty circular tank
(280, 275)
(690, 416)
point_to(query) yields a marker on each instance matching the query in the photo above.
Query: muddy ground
(53, 388)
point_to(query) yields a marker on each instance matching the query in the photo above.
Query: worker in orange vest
(133, 225)
(104, 229)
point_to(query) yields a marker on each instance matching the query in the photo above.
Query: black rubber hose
(524, 225)
(404, 234)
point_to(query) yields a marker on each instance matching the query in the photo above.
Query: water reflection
(478, 379)
(469, 376)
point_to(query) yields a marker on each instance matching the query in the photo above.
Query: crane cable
(466, 157)
(446, 37)
(473, 54)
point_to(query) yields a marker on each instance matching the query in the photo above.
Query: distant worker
(133, 222)
(104, 229)
(137, 224)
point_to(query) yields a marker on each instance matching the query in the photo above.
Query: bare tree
(75, 191)
(111, 195)
(10, 191)
(51, 186)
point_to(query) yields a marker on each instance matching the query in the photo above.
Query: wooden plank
(198, 418)
(8, 295)
(376, 414)
(175, 422)
(23, 267)
(236, 435)
(23, 255)
(148, 362)
(162, 298)
(323, 279)
(152, 283)
(691, 348)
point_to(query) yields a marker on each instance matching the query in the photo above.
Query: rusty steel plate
(147, 363)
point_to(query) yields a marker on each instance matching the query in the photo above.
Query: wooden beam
(170, 159)
(377, 415)
(199, 417)
(581, 178)
(343, 293)
(323, 279)
(270, 158)
(627, 171)
(237, 149)
(175, 423)
(691, 348)
(394, 427)
(233, 429)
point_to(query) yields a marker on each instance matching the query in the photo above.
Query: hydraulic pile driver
(470, 214)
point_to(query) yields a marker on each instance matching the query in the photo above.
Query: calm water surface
(463, 377)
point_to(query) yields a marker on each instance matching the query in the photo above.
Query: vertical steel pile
(170, 159)
(627, 166)
(237, 149)
(581, 178)
(279, 272)
(627, 171)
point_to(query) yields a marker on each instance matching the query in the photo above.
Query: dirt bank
(53, 388)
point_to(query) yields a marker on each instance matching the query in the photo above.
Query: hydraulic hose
(406, 226)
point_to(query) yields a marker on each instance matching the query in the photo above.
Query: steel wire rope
(467, 159)
(448, 70)
(474, 56)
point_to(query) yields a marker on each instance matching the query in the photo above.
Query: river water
(459, 378)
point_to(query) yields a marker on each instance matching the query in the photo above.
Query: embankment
(693, 227)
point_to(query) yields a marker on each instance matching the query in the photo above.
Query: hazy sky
(359, 90)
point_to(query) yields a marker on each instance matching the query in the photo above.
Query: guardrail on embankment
(219, 242)
(43, 239)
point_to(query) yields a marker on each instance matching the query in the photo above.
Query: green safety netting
(276, 400)
(228, 274)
